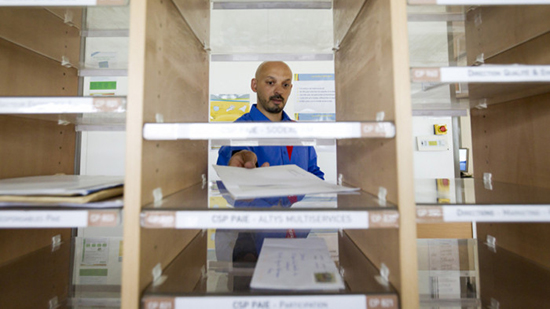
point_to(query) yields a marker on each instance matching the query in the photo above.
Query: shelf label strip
(478, 2)
(429, 214)
(159, 303)
(483, 74)
(496, 213)
(158, 219)
(383, 219)
(276, 302)
(250, 130)
(61, 2)
(43, 218)
(272, 219)
(103, 218)
(60, 105)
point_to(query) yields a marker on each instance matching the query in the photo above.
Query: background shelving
(223, 284)
(41, 104)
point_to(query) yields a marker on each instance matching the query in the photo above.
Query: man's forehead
(274, 69)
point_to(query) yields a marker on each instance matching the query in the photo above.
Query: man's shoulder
(245, 117)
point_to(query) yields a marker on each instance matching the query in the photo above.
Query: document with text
(281, 180)
(296, 264)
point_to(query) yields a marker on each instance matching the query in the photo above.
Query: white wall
(433, 164)
(235, 77)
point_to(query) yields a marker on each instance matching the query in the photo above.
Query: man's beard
(273, 109)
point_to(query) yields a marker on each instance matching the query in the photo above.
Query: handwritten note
(296, 264)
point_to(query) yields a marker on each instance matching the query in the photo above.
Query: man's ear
(253, 85)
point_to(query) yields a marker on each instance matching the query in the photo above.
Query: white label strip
(479, 2)
(496, 74)
(273, 302)
(483, 74)
(232, 219)
(48, 2)
(60, 105)
(496, 213)
(160, 131)
(61, 2)
(43, 218)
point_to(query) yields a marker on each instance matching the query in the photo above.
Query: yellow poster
(228, 107)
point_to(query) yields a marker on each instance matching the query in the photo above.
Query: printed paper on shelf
(41, 218)
(496, 213)
(296, 264)
(280, 301)
(62, 185)
(265, 219)
(444, 265)
(282, 180)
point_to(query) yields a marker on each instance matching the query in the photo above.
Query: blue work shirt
(303, 156)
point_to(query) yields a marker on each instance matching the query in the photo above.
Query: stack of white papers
(62, 190)
(58, 185)
(296, 264)
(281, 180)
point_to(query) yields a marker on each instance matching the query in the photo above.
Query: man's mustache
(277, 97)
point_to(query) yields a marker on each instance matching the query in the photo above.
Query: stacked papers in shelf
(62, 190)
(296, 264)
(281, 180)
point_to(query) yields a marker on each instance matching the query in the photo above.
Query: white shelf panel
(63, 2)
(270, 5)
(441, 110)
(275, 301)
(59, 218)
(275, 130)
(477, 2)
(483, 74)
(106, 33)
(61, 105)
(473, 200)
(269, 219)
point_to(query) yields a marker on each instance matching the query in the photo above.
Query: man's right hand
(246, 159)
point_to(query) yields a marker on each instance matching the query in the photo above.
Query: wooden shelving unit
(40, 47)
(507, 200)
(168, 75)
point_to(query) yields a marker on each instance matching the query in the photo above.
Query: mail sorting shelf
(504, 42)
(499, 67)
(476, 200)
(105, 37)
(191, 280)
(188, 209)
(475, 274)
(62, 28)
(45, 278)
(40, 51)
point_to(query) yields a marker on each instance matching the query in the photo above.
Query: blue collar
(257, 115)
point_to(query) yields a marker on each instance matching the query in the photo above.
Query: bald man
(272, 84)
